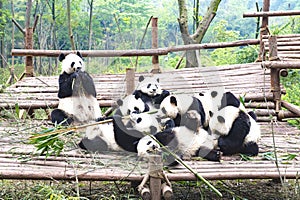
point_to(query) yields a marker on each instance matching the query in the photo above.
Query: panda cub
(117, 135)
(131, 103)
(175, 106)
(76, 93)
(238, 131)
(183, 141)
(150, 91)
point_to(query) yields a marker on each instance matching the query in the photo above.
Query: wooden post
(129, 81)
(29, 45)
(155, 61)
(155, 171)
(275, 74)
(263, 30)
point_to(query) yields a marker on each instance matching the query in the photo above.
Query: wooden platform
(243, 79)
(17, 161)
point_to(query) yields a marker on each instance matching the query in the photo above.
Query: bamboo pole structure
(282, 64)
(133, 52)
(155, 60)
(272, 13)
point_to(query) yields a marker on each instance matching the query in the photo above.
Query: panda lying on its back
(76, 93)
(238, 131)
(118, 135)
(150, 91)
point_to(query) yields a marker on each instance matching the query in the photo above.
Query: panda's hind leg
(250, 149)
(61, 117)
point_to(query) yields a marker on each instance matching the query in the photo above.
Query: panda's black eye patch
(164, 110)
(149, 142)
(139, 120)
(136, 109)
(72, 64)
(80, 62)
(149, 85)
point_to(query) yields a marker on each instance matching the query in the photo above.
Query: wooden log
(130, 85)
(282, 64)
(272, 13)
(128, 53)
(291, 107)
(167, 191)
(155, 169)
(155, 60)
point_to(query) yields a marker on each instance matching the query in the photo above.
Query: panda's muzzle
(78, 69)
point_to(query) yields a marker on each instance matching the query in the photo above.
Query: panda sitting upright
(76, 93)
(150, 91)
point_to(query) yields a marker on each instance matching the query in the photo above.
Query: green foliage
(292, 86)
(48, 140)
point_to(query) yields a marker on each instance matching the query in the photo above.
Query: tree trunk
(191, 56)
(90, 28)
(69, 25)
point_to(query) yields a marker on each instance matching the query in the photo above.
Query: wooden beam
(272, 13)
(282, 64)
(133, 52)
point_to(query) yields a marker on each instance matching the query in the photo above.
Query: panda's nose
(78, 69)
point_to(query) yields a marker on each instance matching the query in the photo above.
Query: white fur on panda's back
(255, 133)
(82, 108)
(229, 113)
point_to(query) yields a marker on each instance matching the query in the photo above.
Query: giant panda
(117, 135)
(151, 91)
(238, 131)
(182, 141)
(131, 103)
(76, 93)
(175, 106)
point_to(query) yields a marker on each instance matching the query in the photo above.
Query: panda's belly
(82, 108)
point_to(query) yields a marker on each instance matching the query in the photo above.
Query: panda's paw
(74, 75)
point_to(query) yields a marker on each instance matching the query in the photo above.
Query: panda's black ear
(141, 78)
(61, 57)
(221, 119)
(119, 102)
(79, 54)
(153, 130)
(201, 94)
(157, 80)
(137, 94)
(173, 100)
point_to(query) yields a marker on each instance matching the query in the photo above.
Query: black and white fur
(238, 131)
(118, 135)
(76, 93)
(176, 106)
(151, 91)
(131, 103)
(183, 141)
